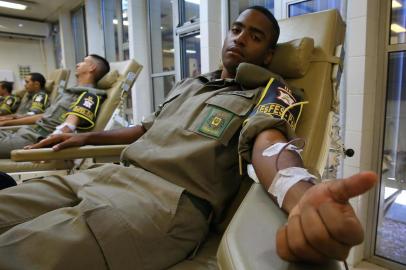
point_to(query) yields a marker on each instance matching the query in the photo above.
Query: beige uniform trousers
(110, 217)
(12, 140)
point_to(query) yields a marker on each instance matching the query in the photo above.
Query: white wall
(26, 52)
(361, 87)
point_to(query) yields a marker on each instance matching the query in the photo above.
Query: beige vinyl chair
(56, 80)
(116, 82)
(306, 57)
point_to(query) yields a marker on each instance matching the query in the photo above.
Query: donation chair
(118, 81)
(56, 80)
(308, 57)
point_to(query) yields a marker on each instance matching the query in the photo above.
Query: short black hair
(38, 77)
(7, 85)
(273, 21)
(103, 66)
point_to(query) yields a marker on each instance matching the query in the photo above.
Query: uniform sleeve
(279, 107)
(9, 105)
(86, 108)
(39, 103)
(175, 92)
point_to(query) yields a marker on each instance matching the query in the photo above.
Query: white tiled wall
(361, 73)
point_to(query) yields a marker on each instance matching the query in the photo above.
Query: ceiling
(40, 10)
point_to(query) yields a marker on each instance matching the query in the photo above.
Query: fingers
(282, 247)
(343, 190)
(341, 223)
(72, 141)
(318, 234)
(298, 244)
(51, 140)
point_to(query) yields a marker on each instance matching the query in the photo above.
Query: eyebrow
(251, 28)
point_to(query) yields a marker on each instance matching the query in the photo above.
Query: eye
(235, 30)
(256, 38)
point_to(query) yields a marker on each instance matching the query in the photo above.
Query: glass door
(390, 231)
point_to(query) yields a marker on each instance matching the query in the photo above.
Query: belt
(203, 205)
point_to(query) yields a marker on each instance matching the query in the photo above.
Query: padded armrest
(249, 241)
(12, 128)
(88, 151)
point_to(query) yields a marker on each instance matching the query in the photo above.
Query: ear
(268, 57)
(93, 67)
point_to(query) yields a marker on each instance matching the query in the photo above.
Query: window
(79, 33)
(189, 37)
(237, 6)
(398, 22)
(310, 6)
(190, 58)
(390, 237)
(162, 48)
(56, 39)
(115, 24)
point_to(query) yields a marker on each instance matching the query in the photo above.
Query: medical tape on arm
(58, 129)
(273, 150)
(285, 179)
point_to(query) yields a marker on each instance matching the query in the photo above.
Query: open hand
(323, 224)
(60, 141)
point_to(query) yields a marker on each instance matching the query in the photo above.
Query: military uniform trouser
(110, 217)
(11, 140)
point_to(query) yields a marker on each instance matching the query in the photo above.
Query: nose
(241, 38)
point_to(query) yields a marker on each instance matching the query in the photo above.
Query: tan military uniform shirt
(192, 141)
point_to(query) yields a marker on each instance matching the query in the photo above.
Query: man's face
(85, 66)
(30, 85)
(3, 91)
(248, 40)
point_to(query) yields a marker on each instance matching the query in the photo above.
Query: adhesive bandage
(278, 147)
(58, 129)
(285, 179)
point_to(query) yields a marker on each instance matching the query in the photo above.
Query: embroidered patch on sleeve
(215, 122)
(278, 101)
(9, 105)
(39, 103)
(86, 107)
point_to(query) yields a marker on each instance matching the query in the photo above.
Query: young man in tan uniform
(181, 166)
(8, 102)
(33, 103)
(74, 107)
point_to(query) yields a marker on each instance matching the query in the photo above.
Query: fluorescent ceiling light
(168, 51)
(125, 23)
(197, 36)
(190, 51)
(396, 4)
(115, 21)
(196, 2)
(397, 28)
(12, 5)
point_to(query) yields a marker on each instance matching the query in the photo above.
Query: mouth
(235, 51)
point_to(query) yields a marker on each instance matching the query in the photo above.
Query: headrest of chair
(108, 80)
(49, 84)
(292, 59)
(251, 76)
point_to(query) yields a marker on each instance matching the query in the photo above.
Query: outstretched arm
(321, 223)
(117, 136)
(27, 120)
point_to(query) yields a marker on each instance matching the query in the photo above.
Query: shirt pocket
(222, 115)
